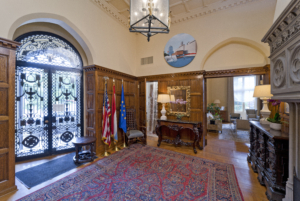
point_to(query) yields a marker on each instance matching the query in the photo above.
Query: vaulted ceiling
(181, 10)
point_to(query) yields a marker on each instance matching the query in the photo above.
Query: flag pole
(115, 143)
(124, 144)
(105, 151)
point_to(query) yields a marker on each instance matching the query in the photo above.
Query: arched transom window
(48, 49)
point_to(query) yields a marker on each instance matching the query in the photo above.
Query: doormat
(46, 171)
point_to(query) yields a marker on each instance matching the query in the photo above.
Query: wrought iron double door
(48, 111)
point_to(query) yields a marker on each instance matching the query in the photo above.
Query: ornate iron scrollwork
(47, 49)
(30, 141)
(67, 136)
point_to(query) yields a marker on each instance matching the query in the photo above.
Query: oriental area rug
(146, 173)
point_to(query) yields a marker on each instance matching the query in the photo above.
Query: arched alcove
(57, 20)
(235, 53)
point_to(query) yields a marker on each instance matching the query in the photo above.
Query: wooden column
(7, 115)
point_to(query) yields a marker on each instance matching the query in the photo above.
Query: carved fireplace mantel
(284, 40)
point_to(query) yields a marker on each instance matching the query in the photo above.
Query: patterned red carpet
(146, 173)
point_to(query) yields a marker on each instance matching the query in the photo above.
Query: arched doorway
(49, 96)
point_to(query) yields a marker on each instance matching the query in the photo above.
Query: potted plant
(179, 116)
(215, 111)
(275, 122)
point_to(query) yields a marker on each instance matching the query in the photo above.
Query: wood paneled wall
(135, 94)
(7, 115)
(94, 91)
(193, 79)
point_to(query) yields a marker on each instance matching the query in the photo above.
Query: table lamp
(163, 98)
(264, 93)
(217, 102)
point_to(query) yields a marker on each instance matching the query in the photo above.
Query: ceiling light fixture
(149, 17)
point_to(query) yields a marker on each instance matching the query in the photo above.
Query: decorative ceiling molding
(111, 10)
(209, 9)
(189, 13)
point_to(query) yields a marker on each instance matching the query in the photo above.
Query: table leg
(199, 134)
(92, 151)
(77, 153)
(158, 132)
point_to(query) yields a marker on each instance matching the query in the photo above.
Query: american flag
(105, 118)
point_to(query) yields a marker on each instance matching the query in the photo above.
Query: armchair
(252, 115)
(234, 116)
(134, 135)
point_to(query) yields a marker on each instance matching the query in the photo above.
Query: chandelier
(149, 17)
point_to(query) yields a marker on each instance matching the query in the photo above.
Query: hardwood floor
(217, 150)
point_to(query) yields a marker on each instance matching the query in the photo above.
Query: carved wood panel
(94, 115)
(3, 101)
(3, 68)
(7, 115)
(3, 167)
(4, 132)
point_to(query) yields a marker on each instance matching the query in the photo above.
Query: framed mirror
(180, 100)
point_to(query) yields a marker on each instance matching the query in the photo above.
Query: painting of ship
(185, 50)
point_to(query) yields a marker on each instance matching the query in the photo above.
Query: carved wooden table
(269, 157)
(87, 155)
(177, 130)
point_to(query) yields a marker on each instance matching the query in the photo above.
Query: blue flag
(122, 122)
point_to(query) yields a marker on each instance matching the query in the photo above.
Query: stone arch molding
(235, 40)
(59, 20)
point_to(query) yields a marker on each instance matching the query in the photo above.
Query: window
(243, 93)
(48, 49)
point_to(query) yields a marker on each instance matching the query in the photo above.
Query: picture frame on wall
(286, 108)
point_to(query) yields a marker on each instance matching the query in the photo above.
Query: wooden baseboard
(8, 190)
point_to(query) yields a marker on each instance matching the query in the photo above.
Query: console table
(179, 130)
(268, 155)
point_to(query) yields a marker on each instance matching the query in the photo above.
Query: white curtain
(230, 96)
(151, 102)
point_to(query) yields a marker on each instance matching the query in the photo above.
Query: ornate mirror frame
(188, 100)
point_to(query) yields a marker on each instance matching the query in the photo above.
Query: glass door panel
(31, 109)
(48, 111)
(66, 108)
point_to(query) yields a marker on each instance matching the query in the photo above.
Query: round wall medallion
(278, 73)
(180, 50)
(295, 67)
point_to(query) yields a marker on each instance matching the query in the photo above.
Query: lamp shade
(172, 98)
(217, 101)
(163, 98)
(262, 91)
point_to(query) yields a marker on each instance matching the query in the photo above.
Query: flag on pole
(122, 124)
(114, 124)
(105, 118)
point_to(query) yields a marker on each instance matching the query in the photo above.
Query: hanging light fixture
(149, 17)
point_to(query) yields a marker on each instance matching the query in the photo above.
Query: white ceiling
(181, 10)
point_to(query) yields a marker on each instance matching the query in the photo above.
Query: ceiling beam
(186, 6)
(127, 2)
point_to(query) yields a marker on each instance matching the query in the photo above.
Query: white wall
(105, 41)
(280, 6)
(248, 23)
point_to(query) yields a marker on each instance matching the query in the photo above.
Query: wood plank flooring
(217, 150)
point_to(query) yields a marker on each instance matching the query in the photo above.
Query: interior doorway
(49, 96)
(151, 106)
